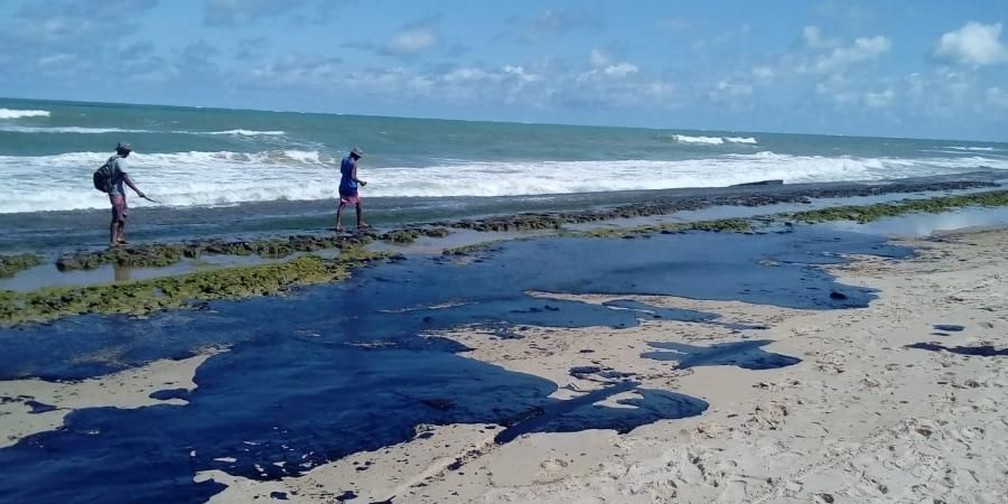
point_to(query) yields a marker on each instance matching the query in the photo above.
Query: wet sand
(35, 405)
(890, 403)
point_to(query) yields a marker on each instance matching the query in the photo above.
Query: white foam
(68, 129)
(708, 140)
(741, 140)
(239, 132)
(6, 113)
(971, 149)
(63, 182)
(100, 131)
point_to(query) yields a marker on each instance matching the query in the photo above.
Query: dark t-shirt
(347, 184)
(118, 166)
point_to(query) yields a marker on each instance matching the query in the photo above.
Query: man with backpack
(109, 179)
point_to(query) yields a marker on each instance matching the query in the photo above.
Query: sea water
(221, 172)
(190, 157)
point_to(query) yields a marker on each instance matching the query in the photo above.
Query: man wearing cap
(117, 196)
(348, 188)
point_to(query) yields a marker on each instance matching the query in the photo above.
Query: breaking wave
(6, 113)
(63, 182)
(708, 140)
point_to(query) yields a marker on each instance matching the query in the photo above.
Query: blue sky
(914, 68)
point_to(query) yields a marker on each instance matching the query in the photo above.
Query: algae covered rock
(178, 291)
(12, 264)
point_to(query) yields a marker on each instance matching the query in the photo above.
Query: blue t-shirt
(347, 185)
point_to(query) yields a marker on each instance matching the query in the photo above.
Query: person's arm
(354, 176)
(129, 182)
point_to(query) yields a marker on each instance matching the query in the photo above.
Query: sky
(904, 68)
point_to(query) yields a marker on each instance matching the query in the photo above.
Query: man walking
(115, 168)
(348, 188)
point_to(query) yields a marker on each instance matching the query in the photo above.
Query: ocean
(220, 170)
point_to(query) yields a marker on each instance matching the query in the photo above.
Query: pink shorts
(119, 208)
(349, 199)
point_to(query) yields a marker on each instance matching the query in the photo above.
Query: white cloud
(599, 58)
(470, 74)
(834, 86)
(822, 55)
(538, 86)
(521, 73)
(814, 38)
(943, 93)
(605, 66)
(412, 40)
(845, 92)
(973, 44)
(730, 37)
(62, 27)
(727, 91)
(764, 73)
(297, 70)
(620, 70)
(881, 99)
(863, 49)
(245, 12)
(660, 91)
(57, 59)
(459, 85)
(846, 98)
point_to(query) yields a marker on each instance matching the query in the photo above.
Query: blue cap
(356, 151)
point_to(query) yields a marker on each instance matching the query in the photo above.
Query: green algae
(12, 264)
(737, 196)
(473, 248)
(158, 255)
(146, 296)
(868, 213)
(858, 213)
(730, 225)
(245, 281)
(402, 236)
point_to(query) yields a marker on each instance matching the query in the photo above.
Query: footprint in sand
(550, 470)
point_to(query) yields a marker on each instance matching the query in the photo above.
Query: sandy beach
(890, 403)
(899, 401)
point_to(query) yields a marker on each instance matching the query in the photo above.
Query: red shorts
(349, 199)
(119, 208)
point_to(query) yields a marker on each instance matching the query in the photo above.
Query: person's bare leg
(113, 235)
(339, 217)
(360, 216)
(121, 237)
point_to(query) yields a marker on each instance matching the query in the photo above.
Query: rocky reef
(12, 264)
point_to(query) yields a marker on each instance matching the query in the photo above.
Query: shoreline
(64, 231)
(276, 265)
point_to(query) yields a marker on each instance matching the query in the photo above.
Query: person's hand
(363, 183)
(142, 195)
